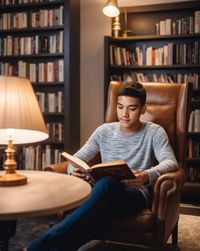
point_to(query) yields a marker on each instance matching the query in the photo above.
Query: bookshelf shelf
(48, 84)
(54, 114)
(32, 30)
(196, 91)
(195, 160)
(157, 54)
(36, 56)
(194, 134)
(47, 26)
(195, 103)
(156, 37)
(192, 184)
(156, 67)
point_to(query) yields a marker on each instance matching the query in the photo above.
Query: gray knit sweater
(148, 149)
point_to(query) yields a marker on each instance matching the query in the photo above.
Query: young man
(146, 149)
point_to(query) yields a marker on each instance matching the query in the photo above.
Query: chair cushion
(143, 221)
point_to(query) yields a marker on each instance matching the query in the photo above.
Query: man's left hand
(140, 179)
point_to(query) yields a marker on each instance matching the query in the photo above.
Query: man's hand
(83, 174)
(141, 178)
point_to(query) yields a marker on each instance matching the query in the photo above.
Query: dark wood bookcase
(52, 49)
(121, 59)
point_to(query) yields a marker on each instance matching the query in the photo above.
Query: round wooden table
(45, 193)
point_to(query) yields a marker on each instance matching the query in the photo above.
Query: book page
(110, 163)
(75, 161)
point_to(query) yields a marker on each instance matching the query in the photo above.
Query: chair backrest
(168, 104)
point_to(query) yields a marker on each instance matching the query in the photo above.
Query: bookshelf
(163, 46)
(37, 42)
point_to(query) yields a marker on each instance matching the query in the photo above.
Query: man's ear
(143, 109)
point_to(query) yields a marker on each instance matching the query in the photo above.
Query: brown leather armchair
(167, 105)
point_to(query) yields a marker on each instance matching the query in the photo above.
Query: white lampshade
(20, 113)
(111, 8)
(21, 121)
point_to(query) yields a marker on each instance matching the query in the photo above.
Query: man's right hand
(82, 174)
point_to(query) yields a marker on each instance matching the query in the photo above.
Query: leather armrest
(167, 187)
(59, 167)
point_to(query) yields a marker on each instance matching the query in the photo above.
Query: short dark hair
(133, 89)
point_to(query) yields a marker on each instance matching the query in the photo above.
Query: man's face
(129, 110)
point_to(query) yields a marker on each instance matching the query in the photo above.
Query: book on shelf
(192, 174)
(191, 122)
(193, 149)
(169, 54)
(184, 25)
(158, 77)
(117, 168)
(197, 21)
(37, 157)
(194, 121)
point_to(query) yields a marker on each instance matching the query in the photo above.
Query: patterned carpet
(28, 229)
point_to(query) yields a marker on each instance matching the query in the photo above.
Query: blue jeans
(109, 198)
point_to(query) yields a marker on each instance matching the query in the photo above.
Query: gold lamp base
(12, 179)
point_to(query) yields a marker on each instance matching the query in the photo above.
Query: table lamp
(21, 122)
(111, 8)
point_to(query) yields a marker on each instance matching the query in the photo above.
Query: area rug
(28, 229)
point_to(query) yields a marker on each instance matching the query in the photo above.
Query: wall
(94, 26)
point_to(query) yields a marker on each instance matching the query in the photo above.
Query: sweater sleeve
(89, 150)
(164, 155)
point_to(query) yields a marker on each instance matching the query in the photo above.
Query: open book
(117, 169)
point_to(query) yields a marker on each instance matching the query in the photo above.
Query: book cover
(197, 22)
(117, 169)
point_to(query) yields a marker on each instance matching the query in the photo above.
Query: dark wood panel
(72, 75)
